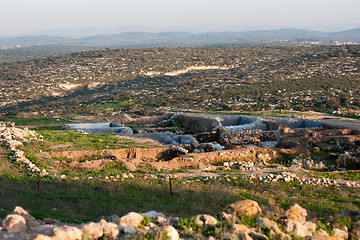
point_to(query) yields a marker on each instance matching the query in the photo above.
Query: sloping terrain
(110, 81)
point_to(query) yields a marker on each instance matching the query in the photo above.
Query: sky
(89, 17)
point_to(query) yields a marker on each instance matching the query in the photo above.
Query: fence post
(256, 183)
(38, 183)
(170, 186)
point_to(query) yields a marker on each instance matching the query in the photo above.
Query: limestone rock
(127, 229)
(67, 233)
(92, 230)
(109, 229)
(131, 219)
(42, 237)
(171, 232)
(321, 235)
(205, 219)
(259, 236)
(44, 229)
(161, 220)
(14, 223)
(245, 207)
(298, 229)
(31, 222)
(153, 214)
(310, 226)
(227, 217)
(341, 233)
(239, 228)
(296, 213)
(274, 229)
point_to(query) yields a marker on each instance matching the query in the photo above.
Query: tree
(334, 103)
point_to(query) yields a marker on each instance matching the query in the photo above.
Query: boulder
(153, 214)
(92, 230)
(207, 147)
(295, 227)
(131, 219)
(296, 213)
(170, 232)
(321, 234)
(245, 207)
(109, 229)
(67, 233)
(14, 223)
(31, 222)
(205, 219)
(341, 233)
(127, 229)
(271, 225)
(239, 228)
(42, 237)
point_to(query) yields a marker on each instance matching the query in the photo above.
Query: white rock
(341, 233)
(153, 214)
(132, 219)
(14, 223)
(67, 233)
(171, 232)
(42, 237)
(109, 229)
(205, 219)
(298, 229)
(92, 230)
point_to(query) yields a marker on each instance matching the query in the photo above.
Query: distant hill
(35, 40)
(349, 35)
(174, 39)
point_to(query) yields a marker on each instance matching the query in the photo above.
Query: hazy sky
(27, 16)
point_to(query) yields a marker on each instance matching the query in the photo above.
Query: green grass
(349, 175)
(79, 201)
(78, 141)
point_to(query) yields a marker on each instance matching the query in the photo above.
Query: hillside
(142, 80)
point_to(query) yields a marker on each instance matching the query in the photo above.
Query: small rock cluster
(21, 225)
(247, 137)
(306, 163)
(349, 160)
(13, 137)
(291, 177)
(242, 166)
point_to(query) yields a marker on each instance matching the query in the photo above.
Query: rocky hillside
(202, 79)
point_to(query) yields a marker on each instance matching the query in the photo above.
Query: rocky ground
(245, 219)
(240, 220)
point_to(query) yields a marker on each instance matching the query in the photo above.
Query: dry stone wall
(13, 137)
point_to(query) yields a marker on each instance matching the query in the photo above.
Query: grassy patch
(77, 141)
(85, 200)
(349, 175)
